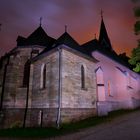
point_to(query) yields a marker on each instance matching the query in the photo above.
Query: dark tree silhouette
(135, 57)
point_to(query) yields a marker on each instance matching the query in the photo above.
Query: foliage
(137, 27)
(137, 11)
(135, 57)
(17, 124)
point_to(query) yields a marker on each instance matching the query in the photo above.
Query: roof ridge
(39, 29)
(66, 36)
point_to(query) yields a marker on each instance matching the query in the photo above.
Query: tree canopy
(135, 57)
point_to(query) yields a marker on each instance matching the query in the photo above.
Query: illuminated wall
(118, 87)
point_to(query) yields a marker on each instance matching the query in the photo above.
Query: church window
(43, 76)
(82, 77)
(26, 74)
(108, 88)
(99, 76)
(100, 84)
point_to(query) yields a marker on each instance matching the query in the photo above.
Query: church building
(46, 81)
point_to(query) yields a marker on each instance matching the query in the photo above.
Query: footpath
(126, 127)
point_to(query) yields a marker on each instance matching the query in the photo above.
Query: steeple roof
(66, 39)
(91, 46)
(38, 37)
(71, 44)
(38, 32)
(103, 36)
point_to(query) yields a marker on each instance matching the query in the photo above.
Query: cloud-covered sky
(21, 17)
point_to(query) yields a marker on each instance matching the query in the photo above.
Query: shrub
(16, 124)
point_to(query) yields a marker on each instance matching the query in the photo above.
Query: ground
(122, 128)
(126, 127)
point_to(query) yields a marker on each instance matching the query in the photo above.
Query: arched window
(99, 76)
(100, 84)
(108, 88)
(82, 77)
(26, 73)
(43, 76)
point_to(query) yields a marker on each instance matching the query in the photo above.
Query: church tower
(103, 36)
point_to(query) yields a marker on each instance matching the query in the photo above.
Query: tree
(135, 57)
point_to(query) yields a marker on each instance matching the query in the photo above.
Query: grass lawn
(65, 128)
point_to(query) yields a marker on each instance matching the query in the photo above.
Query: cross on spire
(101, 13)
(65, 28)
(40, 21)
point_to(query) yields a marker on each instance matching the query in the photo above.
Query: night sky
(21, 17)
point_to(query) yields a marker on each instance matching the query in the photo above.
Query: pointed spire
(40, 21)
(103, 36)
(65, 28)
(101, 14)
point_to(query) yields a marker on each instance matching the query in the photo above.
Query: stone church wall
(14, 94)
(3, 62)
(45, 99)
(122, 90)
(77, 102)
(47, 96)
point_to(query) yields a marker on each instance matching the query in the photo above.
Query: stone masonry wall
(4, 61)
(14, 93)
(73, 95)
(11, 117)
(44, 99)
(77, 103)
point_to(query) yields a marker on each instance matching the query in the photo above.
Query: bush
(17, 124)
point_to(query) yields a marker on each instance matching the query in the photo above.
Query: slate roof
(104, 46)
(94, 45)
(38, 37)
(66, 39)
(91, 46)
